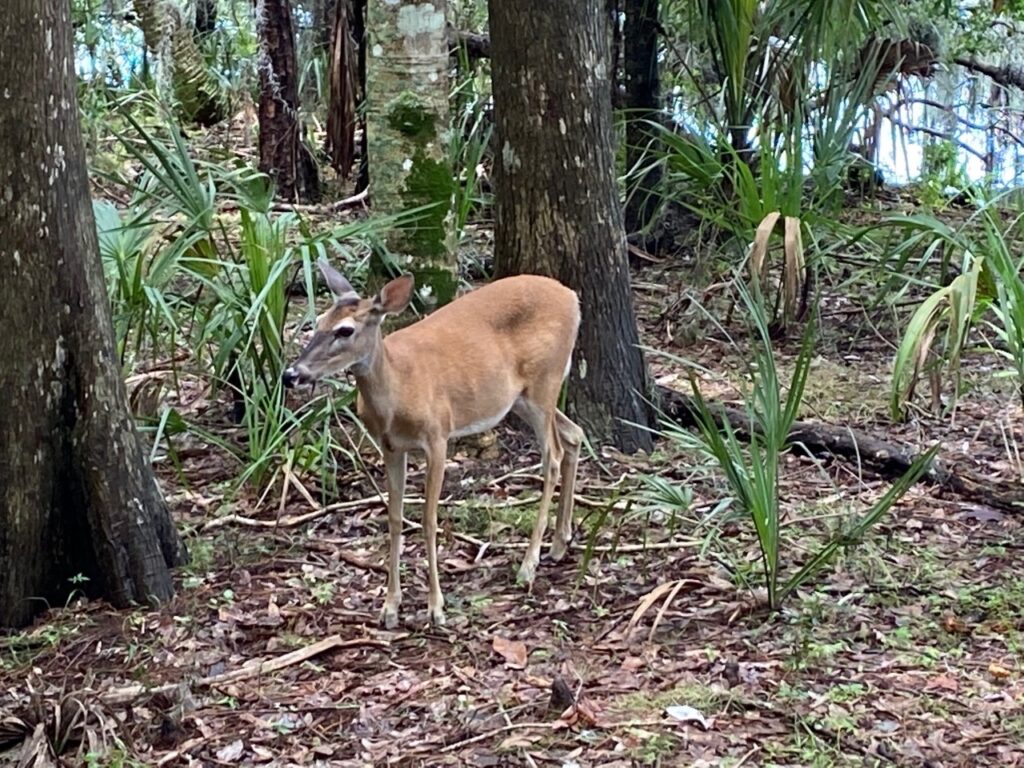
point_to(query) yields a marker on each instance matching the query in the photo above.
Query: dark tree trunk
(359, 34)
(77, 496)
(283, 154)
(323, 20)
(341, 112)
(206, 17)
(643, 105)
(612, 8)
(558, 210)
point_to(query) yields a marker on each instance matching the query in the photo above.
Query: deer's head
(347, 334)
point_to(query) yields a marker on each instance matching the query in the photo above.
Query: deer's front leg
(436, 454)
(395, 465)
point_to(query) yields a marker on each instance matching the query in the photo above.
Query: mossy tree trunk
(284, 155)
(77, 495)
(182, 68)
(407, 125)
(558, 211)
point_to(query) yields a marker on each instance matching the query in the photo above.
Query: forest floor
(908, 650)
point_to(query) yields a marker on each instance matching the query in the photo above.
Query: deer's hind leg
(571, 437)
(542, 420)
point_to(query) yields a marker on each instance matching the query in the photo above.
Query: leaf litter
(905, 652)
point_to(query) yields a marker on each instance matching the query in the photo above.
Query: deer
(505, 347)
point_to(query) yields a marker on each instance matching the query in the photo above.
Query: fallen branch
(337, 205)
(881, 457)
(246, 671)
(292, 521)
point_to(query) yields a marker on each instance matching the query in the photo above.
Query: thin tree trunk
(643, 103)
(206, 17)
(406, 126)
(558, 209)
(323, 19)
(77, 496)
(341, 112)
(613, 9)
(359, 33)
(283, 154)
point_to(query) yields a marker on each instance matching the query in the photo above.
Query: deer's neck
(374, 380)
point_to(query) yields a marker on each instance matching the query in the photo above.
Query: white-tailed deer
(459, 371)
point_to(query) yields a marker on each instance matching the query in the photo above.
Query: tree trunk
(206, 17)
(77, 496)
(406, 127)
(558, 209)
(323, 19)
(341, 112)
(643, 105)
(615, 57)
(284, 156)
(182, 71)
(359, 33)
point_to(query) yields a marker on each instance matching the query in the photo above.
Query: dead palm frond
(794, 284)
(60, 729)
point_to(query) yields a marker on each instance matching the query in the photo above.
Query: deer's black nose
(290, 378)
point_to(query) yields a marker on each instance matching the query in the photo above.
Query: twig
(337, 205)
(944, 135)
(496, 732)
(251, 669)
(548, 727)
(181, 750)
(293, 520)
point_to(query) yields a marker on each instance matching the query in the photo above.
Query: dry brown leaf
(954, 624)
(518, 741)
(513, 651)
(998, 672)
(943, 682)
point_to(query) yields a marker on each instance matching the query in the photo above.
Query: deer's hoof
(558, 550)
(527, 572)
(389, 617)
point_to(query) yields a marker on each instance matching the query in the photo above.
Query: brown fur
(506, 346)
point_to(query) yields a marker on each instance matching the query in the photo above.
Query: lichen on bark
(407, 135)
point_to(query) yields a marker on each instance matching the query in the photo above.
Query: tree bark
(182, 72)
(558, 210)
(643, 103)
(406, 126)
(284, 155)
(77, 496)
(359, 33)
(341, 112)
(323, 20)
(206, 17)
(615, 30)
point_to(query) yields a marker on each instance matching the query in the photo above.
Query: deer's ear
(395, 296)
(336, 281)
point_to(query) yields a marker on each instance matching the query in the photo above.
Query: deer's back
(514, 324)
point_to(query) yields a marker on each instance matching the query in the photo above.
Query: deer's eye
(344, 331)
